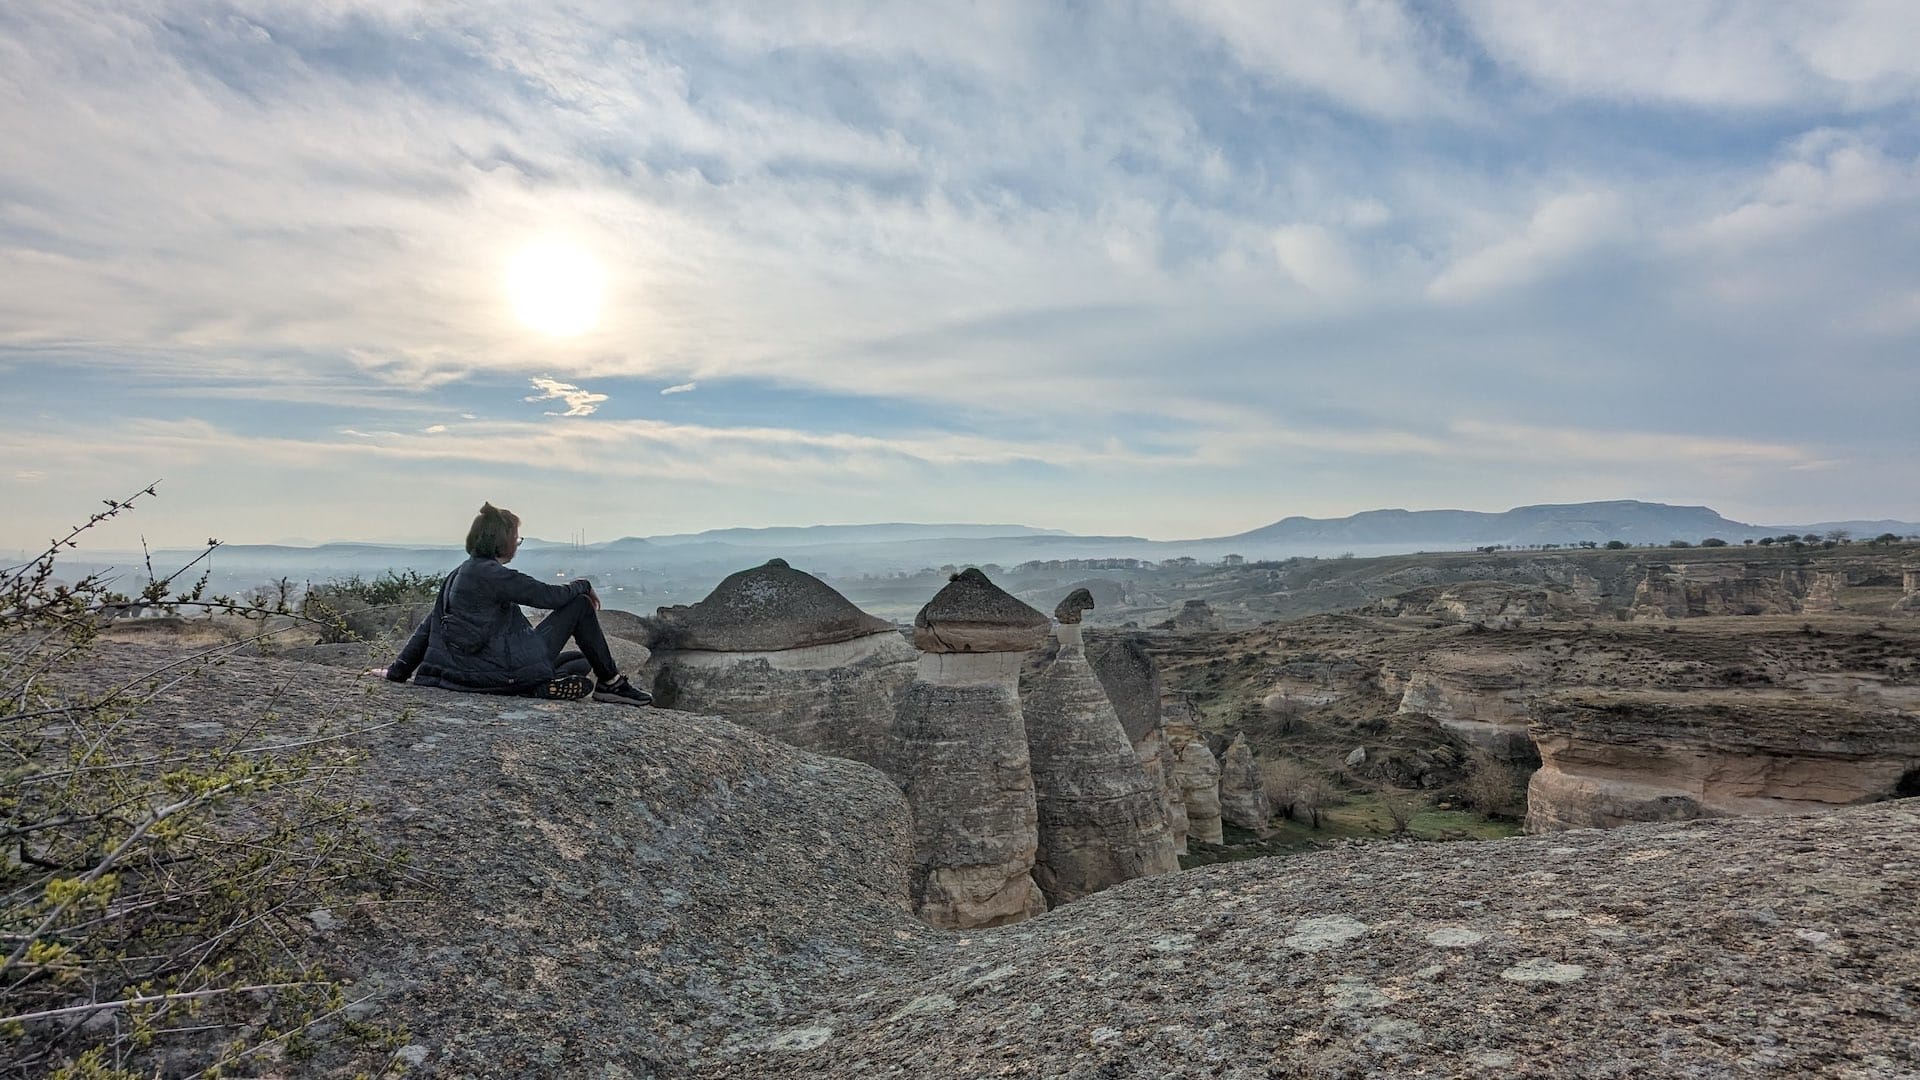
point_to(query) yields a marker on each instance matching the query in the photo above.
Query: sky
(1160, 269)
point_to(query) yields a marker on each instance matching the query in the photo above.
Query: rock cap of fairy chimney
(973, 615)
(1070, 609)
(769, 608)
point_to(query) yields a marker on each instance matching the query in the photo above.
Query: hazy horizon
(1152, 269)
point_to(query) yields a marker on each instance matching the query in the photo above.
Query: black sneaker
(621, 691)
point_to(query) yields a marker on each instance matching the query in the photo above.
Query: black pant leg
(576, 620)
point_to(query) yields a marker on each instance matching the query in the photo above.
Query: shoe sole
(617, 699)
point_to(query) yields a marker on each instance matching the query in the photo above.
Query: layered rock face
(1243, 796)
(1611, 759)
(1690, 591)
(1196, 776)
(780, 651)
(1102, 819)
(1479, 697)
(1824, 591)
(1909, 602)
(959, 750)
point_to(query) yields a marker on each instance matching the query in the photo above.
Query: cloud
(680, 388)
(579, 402)
(1317, 258)
(1848, 54)
(1374, 58)
(1563, 228)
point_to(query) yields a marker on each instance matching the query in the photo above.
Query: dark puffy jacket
(477, 638)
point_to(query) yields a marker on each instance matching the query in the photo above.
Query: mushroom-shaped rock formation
(1068, 611)
(1243, 797)
(959, 749)
(973, 615)
(1131, 681)
(1102, 818)
(1197, 777)
(778, 650)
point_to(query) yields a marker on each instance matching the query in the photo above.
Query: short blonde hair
(492, 533)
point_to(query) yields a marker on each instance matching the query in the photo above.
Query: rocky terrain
(1702, 715)
(607, 892)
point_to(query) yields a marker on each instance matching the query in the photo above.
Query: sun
(555, 288)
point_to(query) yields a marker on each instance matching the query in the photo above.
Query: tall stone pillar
(1102, 819)
(1243, 794)
(959, 750)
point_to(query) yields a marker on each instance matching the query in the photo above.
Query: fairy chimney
(1243, 797)
(959, 750)
(780, 651)
(1102, 818)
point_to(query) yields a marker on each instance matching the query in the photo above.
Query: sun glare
(555, 288)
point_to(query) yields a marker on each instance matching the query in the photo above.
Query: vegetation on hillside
(154, 892)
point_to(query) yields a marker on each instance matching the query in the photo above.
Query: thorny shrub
(152, 894)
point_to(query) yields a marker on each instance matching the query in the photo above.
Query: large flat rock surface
(607, 892)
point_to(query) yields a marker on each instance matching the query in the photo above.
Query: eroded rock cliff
(1610, 759)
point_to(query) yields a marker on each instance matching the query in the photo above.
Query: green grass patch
(1362, 817)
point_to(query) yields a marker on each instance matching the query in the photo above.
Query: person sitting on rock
(477, 640)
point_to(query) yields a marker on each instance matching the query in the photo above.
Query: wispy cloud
(1354, 227)
(579, 402)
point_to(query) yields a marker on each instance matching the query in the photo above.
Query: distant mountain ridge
(1556, 523)
(859, 550)
(885, 532)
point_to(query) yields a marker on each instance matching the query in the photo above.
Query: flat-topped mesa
(973, 615)
(1613, 758)
(1682, 591)
(1131, 681)
(959, 750)
(1243, 795)
(1102, 817)
(780, 651)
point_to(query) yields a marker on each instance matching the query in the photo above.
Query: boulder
(1069, 611)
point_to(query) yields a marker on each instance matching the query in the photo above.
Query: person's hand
(375, 672)
(593, 598)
